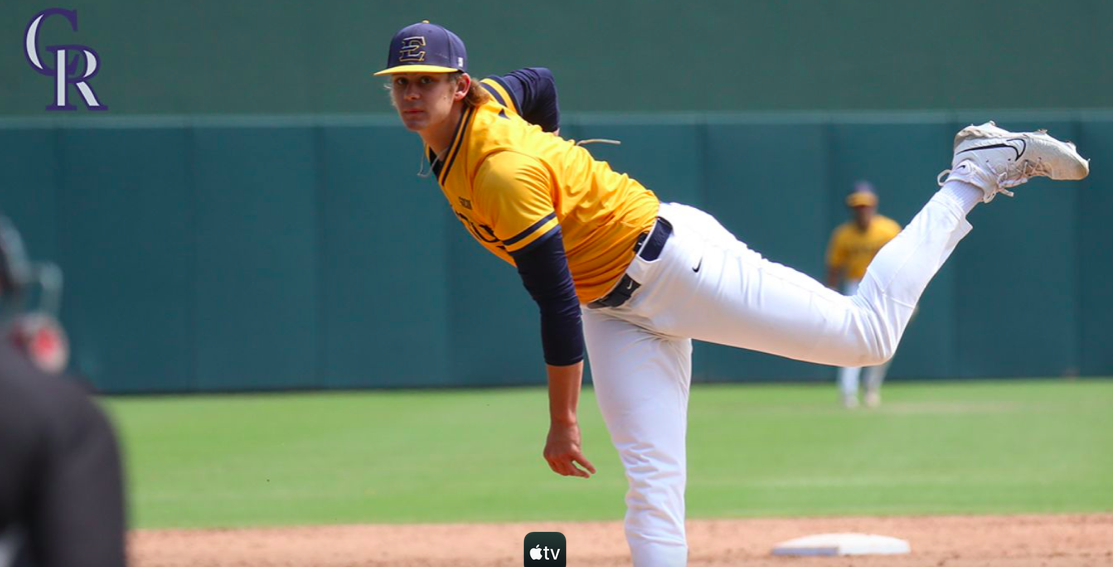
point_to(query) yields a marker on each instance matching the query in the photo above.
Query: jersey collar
(441, 168)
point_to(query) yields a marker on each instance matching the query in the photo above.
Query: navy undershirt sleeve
(535, 94)
(544, 271)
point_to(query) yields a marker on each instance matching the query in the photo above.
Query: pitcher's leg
(739, 298)
(898, 275)
(641, 381)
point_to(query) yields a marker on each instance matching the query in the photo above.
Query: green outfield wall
(239, 253)
(291, 57)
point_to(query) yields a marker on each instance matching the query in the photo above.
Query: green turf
(471, 455)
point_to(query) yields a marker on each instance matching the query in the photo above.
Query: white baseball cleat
(996, 160)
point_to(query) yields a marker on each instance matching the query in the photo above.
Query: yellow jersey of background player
(854, 243)
(852, 247)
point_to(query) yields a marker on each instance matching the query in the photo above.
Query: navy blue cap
(863, 195)
(425, 48)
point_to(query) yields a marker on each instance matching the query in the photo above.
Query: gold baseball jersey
(852, 249)
(511, 184)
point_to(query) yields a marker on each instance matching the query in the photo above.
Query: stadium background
(246, 214)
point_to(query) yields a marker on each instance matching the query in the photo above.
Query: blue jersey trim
(529, 231)
(494, 92)
(513, 95)
(458, 141)
(540, 240)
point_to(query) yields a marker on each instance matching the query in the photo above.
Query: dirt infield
(944, 541)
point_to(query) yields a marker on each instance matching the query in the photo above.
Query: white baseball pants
(707, 285)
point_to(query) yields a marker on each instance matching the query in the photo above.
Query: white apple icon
(535, 553)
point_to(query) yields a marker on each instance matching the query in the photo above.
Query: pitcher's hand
(563, 452)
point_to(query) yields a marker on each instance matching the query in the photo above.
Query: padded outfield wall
(238, 253)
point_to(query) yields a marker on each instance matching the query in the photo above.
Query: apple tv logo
(545, 548)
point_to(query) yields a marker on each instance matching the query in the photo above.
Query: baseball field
(972, 473)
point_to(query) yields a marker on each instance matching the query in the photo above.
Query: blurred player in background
(637, 280)
(61, 491)
(851, 249)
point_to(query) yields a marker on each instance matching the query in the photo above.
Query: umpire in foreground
(61, 493)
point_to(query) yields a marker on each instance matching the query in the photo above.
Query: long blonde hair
(477, 95)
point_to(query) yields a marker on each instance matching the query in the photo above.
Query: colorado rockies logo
(412, 50)
(64, 71)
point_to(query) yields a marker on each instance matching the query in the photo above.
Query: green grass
(474, 455)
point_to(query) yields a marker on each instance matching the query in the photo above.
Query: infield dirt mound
(937, 541)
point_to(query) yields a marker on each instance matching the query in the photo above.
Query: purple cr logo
(64, 72)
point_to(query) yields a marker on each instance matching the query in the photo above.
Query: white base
(843, 544)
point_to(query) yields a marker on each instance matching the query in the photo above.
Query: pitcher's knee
(878, 355)
(876, 338)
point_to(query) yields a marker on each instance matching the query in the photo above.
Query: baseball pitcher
(637, 280)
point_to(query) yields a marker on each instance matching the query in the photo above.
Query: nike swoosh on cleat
(1019, 152)
(700, 264)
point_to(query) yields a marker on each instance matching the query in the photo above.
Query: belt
(648, 247)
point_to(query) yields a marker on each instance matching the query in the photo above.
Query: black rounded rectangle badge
(547, 549)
